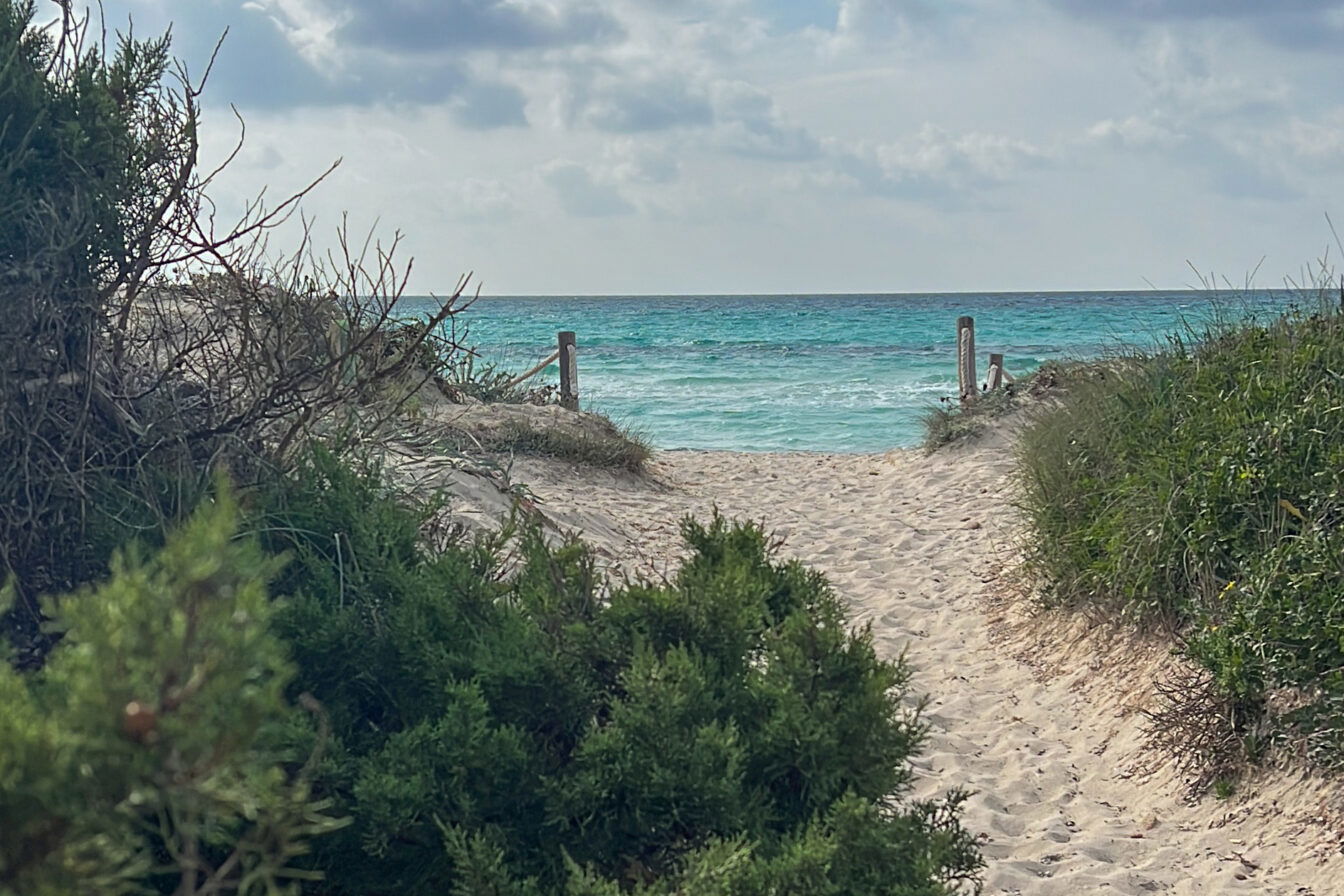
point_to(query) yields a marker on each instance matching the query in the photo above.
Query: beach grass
(952, 423)
(607, 447)
(1201, 487)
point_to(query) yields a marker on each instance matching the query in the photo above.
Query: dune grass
(613, 448)
(953, 423)
(1202, 487)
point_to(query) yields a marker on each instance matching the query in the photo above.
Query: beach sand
(1038, 713)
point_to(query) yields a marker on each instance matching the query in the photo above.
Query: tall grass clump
(1202, 487)
(954, 423)
(606, 447)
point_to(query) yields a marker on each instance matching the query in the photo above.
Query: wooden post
(569, 370)
(994, 379)
(966, 380)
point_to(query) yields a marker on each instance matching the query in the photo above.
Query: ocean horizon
(834, 372)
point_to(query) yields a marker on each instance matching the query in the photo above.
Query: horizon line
(962, 292)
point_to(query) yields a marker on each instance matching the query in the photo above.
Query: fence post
(569, 370)
(966, 380)
(994, 379)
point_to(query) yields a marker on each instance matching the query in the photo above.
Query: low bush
(1204, 486)
(143, 757)
(503, 721)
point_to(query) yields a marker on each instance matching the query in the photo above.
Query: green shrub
(140, 756)
(1205, 486)
(523, 727)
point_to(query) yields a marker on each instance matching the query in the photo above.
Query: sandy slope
(1038, 715)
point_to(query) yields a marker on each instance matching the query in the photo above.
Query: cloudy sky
(719, 146)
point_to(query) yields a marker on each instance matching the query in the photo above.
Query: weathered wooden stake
(994, 379)
(966, 380)
(569, 370)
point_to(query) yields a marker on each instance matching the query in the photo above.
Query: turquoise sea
(814, 373)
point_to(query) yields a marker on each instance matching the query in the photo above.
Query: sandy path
(1035, 715)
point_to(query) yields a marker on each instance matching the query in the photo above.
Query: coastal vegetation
(596, 445)
(144, 756)
(238, 661)
(509, 722)
(1201, 488)
(951, 423)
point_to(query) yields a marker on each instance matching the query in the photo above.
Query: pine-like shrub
(506, 722)
(139, 759)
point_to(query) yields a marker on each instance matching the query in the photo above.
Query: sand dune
(1038, 714)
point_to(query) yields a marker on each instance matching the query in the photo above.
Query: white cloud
(1320, 142)
(866, 21)
(1204, 114)
(309, 27)
(482, 199)
(485, 104)
(1134, 132)
(935, 164)
(653, 99)
(751, 123)
(1191, 78)
(789, 143)
(633, 163)
(1293, 24)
